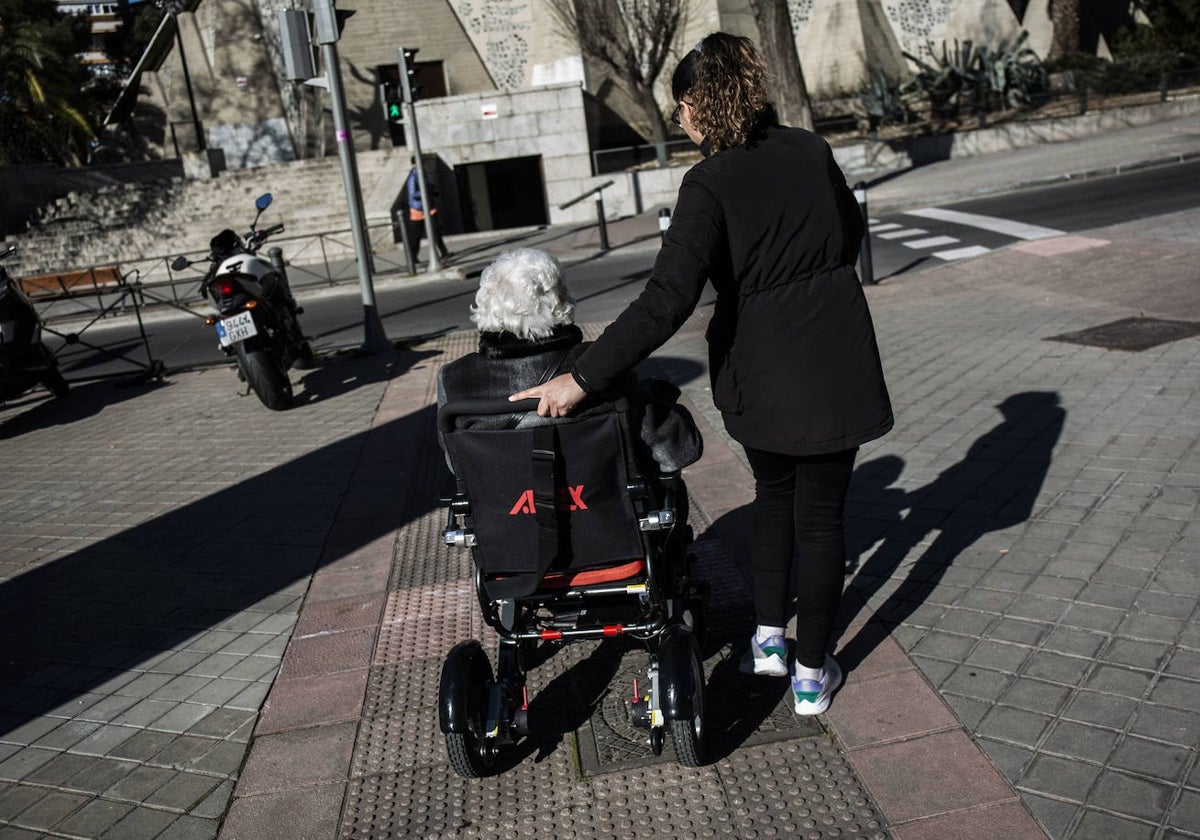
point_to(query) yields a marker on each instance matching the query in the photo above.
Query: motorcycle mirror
(179, 263)
(263, 201)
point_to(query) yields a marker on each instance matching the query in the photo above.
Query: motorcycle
(24, 360)
(257, 317)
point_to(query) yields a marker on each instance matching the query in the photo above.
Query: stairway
(130, 222)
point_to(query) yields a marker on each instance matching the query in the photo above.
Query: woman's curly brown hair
(730, 90)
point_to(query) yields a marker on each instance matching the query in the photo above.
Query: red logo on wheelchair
(566, 498)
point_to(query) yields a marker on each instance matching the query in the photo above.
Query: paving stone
(94, 818)
(1076, 740)
(16, 798)
(139, 784)
(182, 792)
(1136, 654)
(999, 656)
(214, 804)
(1035, 695)
(190, 828)
(1066, 779)
(1124, 681)
(28, 731)
(1096, 825)
(1010, 759)
(141, 746)
(1015, 726)
(1053, 815)
(184, 752)
(1161, 761)
(1140, 798)
(974, 681)
(1150, 627)
(1186, 814)
(1056, 667)
(140, 822)
(50, 810)
(20, 764)
(1163, 723)
(1074, 642)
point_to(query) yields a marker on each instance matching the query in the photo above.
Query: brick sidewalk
(1026, 537)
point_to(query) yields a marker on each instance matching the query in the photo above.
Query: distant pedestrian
(415, 218)
(768, 219)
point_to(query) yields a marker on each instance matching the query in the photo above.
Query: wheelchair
(575, 536)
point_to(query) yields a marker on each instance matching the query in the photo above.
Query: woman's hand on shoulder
(556, 397)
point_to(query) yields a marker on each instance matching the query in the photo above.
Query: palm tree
(43, 101)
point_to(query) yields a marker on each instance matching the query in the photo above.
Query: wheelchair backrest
(551, 497)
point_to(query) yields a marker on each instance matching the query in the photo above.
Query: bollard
(603, 223)
(664, 222)
(866, 269)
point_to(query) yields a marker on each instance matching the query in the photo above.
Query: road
(603, 284)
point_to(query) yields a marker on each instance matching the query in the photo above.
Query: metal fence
(314, 261)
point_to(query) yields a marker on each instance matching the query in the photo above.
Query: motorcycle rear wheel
(265, 378)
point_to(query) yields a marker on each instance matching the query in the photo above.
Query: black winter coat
(506, 364)
(793, 360)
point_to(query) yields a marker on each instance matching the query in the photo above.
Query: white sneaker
(766, 659)
(813, 696)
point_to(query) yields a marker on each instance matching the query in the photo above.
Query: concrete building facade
(511, 108)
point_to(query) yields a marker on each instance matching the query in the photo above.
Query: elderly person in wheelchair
(527, 336)
(577, 526)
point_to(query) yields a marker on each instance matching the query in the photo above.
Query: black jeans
(799, 511)
(416, 232)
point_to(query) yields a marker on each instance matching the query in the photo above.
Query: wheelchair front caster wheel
(657, 739)
(469, 755)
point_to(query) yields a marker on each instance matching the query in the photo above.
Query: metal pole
(187, 79)
(374, 336)
(603, 223)
(866, 269)
(435, 263)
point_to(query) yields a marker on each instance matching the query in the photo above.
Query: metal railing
(621, 158)
(320, 260)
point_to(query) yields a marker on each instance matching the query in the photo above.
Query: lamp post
(173, 8)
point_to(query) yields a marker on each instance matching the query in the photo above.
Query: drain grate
(740, 711)
(1132, 334)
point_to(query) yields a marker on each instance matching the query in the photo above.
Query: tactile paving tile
(756, 786)
(798, 789)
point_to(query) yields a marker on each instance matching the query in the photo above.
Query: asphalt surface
(223, 621)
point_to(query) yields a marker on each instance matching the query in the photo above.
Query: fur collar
(506, 345)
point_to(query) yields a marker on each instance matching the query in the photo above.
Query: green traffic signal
(393, 111)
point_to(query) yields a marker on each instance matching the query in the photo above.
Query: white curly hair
(522, 292)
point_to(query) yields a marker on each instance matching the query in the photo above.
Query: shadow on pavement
(84, 401)
(994, 486)
(78, 624)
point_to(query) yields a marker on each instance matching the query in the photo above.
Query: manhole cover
(1132, 334)
(740, 711)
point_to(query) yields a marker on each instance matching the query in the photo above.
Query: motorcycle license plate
(237, 327)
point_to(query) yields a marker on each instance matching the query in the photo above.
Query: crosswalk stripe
(931, 242)
(876, 227)
(962, 253)
(899, 234)
(1008, 227)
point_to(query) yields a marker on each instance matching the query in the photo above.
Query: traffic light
(409, 89)
(328, 21)
(393, 107)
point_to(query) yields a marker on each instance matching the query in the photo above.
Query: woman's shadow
(994, 486)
